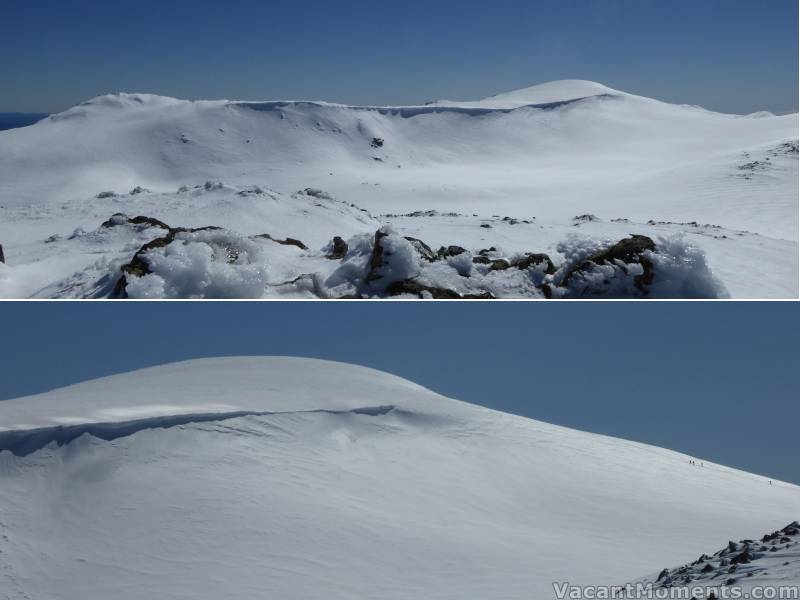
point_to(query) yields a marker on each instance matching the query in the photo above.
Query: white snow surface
(545, 154)
(293, 478)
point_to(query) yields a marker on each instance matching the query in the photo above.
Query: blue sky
(729, 55)
(718, 381)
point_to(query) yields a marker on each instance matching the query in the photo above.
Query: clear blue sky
(729, 55)
(718, 381)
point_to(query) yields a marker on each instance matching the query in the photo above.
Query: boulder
(422, 249)
(338, 249)
(450, 251)
(500, 264)
(531, 259)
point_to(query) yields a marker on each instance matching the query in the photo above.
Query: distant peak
(122, 100)
(555, 91)
(116, 101)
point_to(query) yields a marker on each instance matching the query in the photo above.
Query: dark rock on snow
(338, 249)
(629, 250)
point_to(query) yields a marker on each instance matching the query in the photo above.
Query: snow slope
(294, 478)
(553, 151)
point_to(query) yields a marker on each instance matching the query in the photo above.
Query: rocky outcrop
(742, 559)
(527, 261)
(628, 251)
(139, 267)
(423, 291)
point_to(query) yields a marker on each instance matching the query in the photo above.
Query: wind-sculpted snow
(349, 483)
(22, 442)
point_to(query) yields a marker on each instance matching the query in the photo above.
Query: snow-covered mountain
(510, 172)
(292, 478)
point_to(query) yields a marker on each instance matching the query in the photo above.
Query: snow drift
(295, 478)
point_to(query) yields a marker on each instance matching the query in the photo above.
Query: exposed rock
(123, 219)
(481, 260)
(450, 251)
(287, 242)
(377, 142)
(338, 249)
(664, 573)
(707, 569)
(2, 255)
(138, 267)
(376, 260)
(486, 226)
(500, 264)
(317, 193)
(532, 259)
(412, 287)
(139, 190)
(422, 249)
(104, 195)
(629, 250)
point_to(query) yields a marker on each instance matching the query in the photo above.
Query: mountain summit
(293, 478)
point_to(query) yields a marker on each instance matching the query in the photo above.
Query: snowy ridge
(203, 387)
(319, 497)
